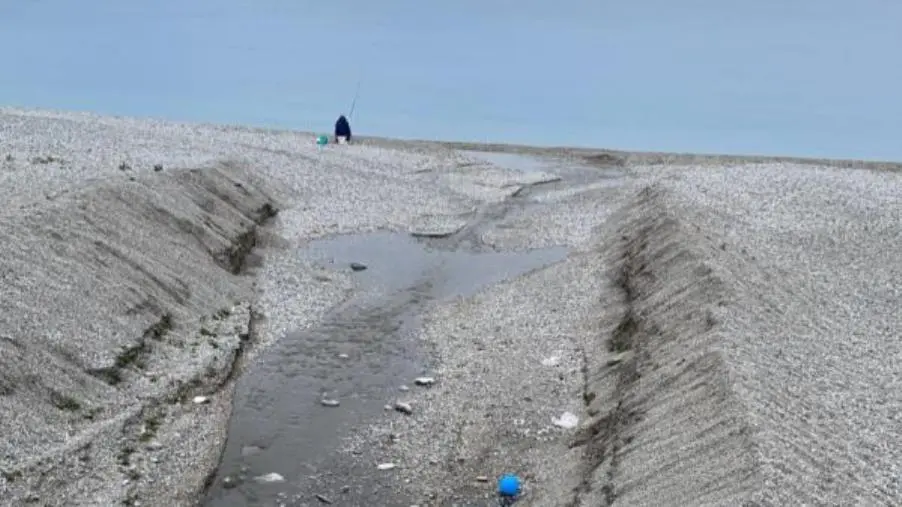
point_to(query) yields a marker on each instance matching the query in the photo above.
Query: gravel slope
(804, 276)
(738, 334)
(725, 329)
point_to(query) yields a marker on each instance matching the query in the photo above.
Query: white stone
(567, 420)
(270, 477)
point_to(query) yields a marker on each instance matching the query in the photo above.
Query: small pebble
(201, 399)
(404, 388)
(424, 381)
(270, 477)
(404, 408)
(551, 361)
(323, 499)
(329, 403)
(386, 466)
(356, 266)
(567, 420)
(482, 478)
(343, 356)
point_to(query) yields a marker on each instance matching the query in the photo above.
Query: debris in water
(356, 266)
(386, 466)
(566, 420)
(326, 402)
(270, 477)
(201, 399)
(323, 499)
(424, 381)
(404, 408)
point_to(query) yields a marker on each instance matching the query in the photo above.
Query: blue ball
(509, 485)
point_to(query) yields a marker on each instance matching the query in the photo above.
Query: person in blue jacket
(342, 129)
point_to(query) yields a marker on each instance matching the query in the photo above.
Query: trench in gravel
(360, 355)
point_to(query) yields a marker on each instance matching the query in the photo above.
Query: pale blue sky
(795, 77)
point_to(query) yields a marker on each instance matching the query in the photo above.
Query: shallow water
(524, 163)
(359, 355)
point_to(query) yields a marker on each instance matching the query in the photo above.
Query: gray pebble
(404, 408)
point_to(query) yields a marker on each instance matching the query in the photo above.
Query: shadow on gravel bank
(665, 424)
(123, 313)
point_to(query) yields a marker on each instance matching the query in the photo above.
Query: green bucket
(322, 140)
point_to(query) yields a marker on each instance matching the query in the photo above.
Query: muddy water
(360, 355)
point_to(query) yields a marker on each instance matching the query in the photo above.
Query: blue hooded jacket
(343, 128)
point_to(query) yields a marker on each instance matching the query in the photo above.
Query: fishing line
(354, 102)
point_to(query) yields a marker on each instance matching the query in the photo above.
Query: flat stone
(270, 478)
(437, 226)
(404, 408)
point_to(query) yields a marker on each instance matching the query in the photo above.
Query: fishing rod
(354, 102)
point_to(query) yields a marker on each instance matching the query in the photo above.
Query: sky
(780, 77)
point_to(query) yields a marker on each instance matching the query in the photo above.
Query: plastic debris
(509, 486)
